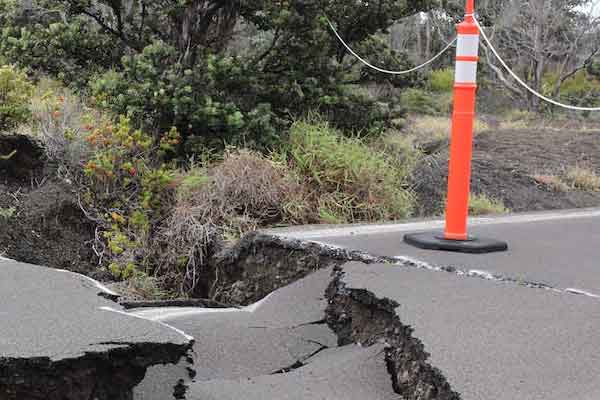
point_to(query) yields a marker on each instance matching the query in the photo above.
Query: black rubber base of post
(435, 241)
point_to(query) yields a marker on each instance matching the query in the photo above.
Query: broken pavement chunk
(485, 339)
(59, 340)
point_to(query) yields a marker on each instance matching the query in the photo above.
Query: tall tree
(541, 36)
(170, 62)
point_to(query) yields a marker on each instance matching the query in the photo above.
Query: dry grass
(185, 243)
(431, 128)
(254, 187)
(583, 179)
(519, 119)
(242, 193)
(59, 121)
(404, 148)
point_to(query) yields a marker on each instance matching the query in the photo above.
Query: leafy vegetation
(195, 76)
(353, 181)
(128, 188)
(7, 212)
(442, 80)
(480, 204)
(15, 93)
(182, 125)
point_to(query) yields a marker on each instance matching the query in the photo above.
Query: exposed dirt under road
(40, 221)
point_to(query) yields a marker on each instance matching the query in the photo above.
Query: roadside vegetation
(480, 204)
(173, 143)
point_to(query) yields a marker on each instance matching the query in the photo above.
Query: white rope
(385, 71)
(531, 90)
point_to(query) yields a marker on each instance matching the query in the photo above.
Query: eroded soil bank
(40, 220)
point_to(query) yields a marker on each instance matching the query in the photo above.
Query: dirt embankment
(505, 166)
(40, 220)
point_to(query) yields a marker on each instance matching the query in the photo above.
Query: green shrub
(352, 181)
(205, 102)
(442, 80)
(581, 89)
(127, 190)
(355, 112)
(419, 101)
(15, 94)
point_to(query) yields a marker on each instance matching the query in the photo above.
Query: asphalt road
(60, 339)
(490, 338)
(559, 249)
(494, 340)
(276, 333)
(58, 315)
(347, 373)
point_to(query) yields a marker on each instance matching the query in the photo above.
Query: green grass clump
(418, 101)
(480, 204)
(7, 213)
(352, 181)
(442, 80)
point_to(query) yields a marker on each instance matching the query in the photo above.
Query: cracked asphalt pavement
(285, 328)
(58, 336)
(429, 326)
(559, 249)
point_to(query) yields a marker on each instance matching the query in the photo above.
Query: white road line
(581, 292)
(432, 225)
(166, 313)
(110, 309)
(97, 284)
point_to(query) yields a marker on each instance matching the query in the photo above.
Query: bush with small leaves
(128, 189)
(15, 94)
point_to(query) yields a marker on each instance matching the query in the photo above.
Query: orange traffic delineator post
(455, 236)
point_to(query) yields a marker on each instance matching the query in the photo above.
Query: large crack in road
(328, 323)
(358, 316)
(426, 332)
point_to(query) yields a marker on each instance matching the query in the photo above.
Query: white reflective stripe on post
(468, 46)
(466, 72)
